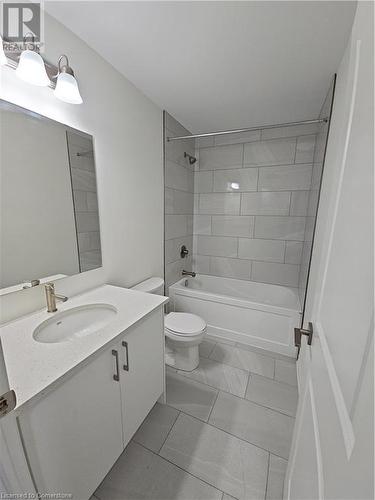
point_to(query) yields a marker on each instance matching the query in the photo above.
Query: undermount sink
(74, 323)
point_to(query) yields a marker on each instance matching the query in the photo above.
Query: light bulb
(31, 69)
(67, 89)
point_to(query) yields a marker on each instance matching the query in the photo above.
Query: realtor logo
(22, 22)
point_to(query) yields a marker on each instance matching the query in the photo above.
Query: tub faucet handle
(184, 252)
(188, 273)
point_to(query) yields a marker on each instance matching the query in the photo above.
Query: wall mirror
(49, 222)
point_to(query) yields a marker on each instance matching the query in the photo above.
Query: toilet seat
(184, 324)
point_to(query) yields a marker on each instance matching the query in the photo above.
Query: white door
(332, 449)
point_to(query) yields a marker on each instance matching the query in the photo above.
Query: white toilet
(183, 331)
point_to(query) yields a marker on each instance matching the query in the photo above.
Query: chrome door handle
(298, 332)
(116, 376)
(126, 365)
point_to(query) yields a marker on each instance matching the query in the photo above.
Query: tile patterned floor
(224, 434)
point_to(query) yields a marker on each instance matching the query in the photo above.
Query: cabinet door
(142, 371)
(73, 435)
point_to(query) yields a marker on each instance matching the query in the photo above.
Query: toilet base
(181, 358)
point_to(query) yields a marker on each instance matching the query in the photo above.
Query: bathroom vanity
(85, 377)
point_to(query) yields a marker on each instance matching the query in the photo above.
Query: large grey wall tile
(286, 372)
(267, 250)
(231, 465)
(205, 142)
(276, 475)
(178, 177)
(80, 201)
(232, 225)
(278, 274)
(256, 424)
(237, 138)
(203, 181)
(280, 228)
(293, 131)
(230, 268)
(265, 203)
(272, 394)
(175, 226)
(219, 246)
(87, 221)
(221, 157)
(83, 180)
(202, 224)
(201, 264)
(183, 202)
(236, 180)
(190, 396)
(293, 252)
(274, 152)
(219, 203)
(92, 201)
(139, 473)
(305, 149)
(168, 200)
(299, 202)
(156, 426)
(285, 178)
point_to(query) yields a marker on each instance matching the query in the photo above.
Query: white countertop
(33, 366)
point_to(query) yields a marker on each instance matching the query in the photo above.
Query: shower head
(192, 159)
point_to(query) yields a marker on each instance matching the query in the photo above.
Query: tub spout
(188, 273)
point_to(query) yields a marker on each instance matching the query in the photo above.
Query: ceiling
(219, 65)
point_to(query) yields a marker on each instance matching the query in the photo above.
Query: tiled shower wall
(82, 164)
(179, 200)
(250, 203)
(313, 196)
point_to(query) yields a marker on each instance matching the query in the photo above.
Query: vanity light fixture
(31, 67)
(3, 59)
(66, 85)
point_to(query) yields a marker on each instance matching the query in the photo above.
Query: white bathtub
(253, 313)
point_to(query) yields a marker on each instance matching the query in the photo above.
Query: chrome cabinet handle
(116, 376)
(126, 365)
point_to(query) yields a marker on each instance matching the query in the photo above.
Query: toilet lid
(184, 323)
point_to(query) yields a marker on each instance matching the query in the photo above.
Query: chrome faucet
(51, 297)
(188, 273)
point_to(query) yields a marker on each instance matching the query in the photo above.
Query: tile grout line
(233, 435)
(170, 430)
(212, 407)
(242, 397)
(180, 468)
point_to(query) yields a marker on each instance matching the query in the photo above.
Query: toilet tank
(152, 285)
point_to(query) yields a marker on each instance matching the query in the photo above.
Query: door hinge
(298, 332)
(7, 402)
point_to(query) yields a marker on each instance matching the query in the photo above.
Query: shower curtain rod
(239, 130)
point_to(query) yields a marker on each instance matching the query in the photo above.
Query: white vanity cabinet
(141, 371)
(74, 433)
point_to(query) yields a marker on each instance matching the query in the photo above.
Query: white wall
(127, 129)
